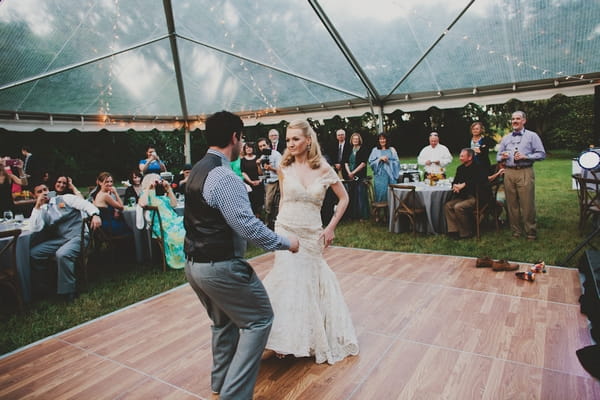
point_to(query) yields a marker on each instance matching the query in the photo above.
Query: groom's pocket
(241, 270)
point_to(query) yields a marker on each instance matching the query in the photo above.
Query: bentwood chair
(588, 194)
(406, 205)
(152, 215)
(485, 208)
(379, 209)
(8, 264)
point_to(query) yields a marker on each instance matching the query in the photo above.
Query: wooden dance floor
(429, 327)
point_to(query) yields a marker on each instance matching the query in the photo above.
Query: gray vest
(63, 219)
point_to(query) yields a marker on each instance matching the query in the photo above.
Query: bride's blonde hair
(313, 155)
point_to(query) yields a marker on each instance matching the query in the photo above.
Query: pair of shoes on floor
(538, 267)
(503, 265)
(526, 275)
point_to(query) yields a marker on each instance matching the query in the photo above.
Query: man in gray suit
(59, 220)
(218, 219)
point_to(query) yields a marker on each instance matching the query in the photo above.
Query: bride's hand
(327, 235)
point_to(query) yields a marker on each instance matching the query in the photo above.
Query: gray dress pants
(66, 252)
(241, 312)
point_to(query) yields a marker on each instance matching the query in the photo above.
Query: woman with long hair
(356, 167)
(385, 165)
(481, 145)
(108, 201)
(312, 319)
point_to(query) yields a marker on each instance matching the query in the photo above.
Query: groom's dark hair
(220, 126)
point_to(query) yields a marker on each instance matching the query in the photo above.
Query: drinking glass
(19, 218)
(8, 216)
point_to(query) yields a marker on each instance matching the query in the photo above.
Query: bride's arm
(329, 232)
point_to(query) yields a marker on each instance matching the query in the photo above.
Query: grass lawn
(115, 286)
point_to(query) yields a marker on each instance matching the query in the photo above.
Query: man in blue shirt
(520, 150)
(218, 219)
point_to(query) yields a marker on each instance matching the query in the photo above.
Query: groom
(218, 219)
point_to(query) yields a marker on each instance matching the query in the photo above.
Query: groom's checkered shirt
(224, 190)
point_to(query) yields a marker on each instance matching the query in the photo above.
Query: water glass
(19, 218)
(131, 201)
(8, 216)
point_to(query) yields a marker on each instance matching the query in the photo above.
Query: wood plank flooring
(429, 327)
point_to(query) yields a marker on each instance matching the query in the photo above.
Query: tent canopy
(116, 63)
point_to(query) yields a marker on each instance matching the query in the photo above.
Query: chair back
(153, 219)
(408, 202)
(8, 264)
(588, 194)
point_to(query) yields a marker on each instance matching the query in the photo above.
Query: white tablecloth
(432, 198)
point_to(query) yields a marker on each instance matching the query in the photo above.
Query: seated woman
(110, 205)
(386, 167)
(134, 190)
(172, 223)
(64, 185)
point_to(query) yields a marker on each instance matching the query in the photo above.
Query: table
(23, 263)
(432, 198)
(141, 237)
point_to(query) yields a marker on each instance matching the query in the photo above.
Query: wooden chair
(485, 208)
(86, 248)
(9, 276)
(406, 205)
(106, 235)
(152, 215)
(379, 209)
(588, 194)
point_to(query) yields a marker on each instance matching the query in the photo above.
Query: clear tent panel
(500, 42)
(138, 82)
(215, 81)
(43, 36)
(388, 37)
(282, 36)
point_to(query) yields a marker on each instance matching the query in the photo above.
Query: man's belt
(519, 166)
(206, 260)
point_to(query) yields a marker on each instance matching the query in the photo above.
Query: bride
(311, 316)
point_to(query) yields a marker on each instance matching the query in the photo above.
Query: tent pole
(381, 115)
(187, 145)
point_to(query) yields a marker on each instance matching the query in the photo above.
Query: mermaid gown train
(311, 316)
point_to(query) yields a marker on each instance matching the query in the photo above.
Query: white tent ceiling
(117, 64)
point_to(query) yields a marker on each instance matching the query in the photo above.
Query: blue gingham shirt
(224, 191)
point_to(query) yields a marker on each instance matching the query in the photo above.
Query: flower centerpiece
(434, 177)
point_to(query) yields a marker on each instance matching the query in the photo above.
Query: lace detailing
(311, 316)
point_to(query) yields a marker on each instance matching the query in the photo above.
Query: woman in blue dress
(108, 201)
(385, 165)
(172, 223)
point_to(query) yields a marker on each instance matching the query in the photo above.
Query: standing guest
(470, 177)
(276, 144)
(64, 185)
(481, 145)
(434, 157)
(31, 166)
(7, 178)
(385, 165)
(356, 168)
(311, 316)
(152, 163)
(172, 223)
(134, 189)
(182, 179)
(108, 201)
(520, 150)
(339, 153)
(218, 219)
(59, 219)
(250, 172)
(268, 165)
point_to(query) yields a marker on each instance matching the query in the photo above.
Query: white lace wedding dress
(311, 316)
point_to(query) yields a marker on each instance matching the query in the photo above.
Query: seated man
(59, 221)
(434, 157)
(470, 178)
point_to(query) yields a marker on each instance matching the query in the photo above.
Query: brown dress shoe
(503, 265)
(484, 262)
